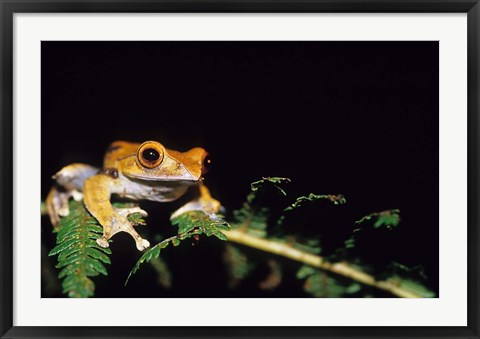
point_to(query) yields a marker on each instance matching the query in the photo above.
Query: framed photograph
(239, 169)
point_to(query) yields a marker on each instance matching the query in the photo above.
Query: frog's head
(153, 162)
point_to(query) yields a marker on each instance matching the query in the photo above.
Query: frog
(136, 172)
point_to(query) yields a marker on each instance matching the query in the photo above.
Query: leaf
(220, 235)
(164, 276)
(72, 259)
(150, 254)
(66, 244)
(238, 265)
(189, 224)
(353, 288)
(274, 278)
(276, 181)
(71, 283)
(251, 217)
(252, 221)
(337, 199)
(350, 243)
(305, 271)
(321, 285)
(184, 223)
(412, 286)
(98, 255)
(389, 219)
(395, 268)
(310, 246)
(78, 255)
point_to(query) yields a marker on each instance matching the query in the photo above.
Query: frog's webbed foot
(141, 245)
(113, 220)
(120, 223)
(57, 203)
(204, 203)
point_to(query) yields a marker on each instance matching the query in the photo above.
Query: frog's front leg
(205, 202)
(69, 182)
(97, 191)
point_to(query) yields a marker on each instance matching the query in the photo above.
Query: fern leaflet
(79, 256)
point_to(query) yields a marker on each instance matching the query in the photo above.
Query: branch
(270, 246)
(317, 261)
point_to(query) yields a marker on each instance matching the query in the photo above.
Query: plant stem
(340, 268)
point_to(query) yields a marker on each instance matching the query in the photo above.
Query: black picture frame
(9, 7)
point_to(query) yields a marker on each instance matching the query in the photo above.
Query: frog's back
(118, 150)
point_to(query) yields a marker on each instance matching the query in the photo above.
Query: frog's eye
(150, 154)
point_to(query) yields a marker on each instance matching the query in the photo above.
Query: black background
(357, 118)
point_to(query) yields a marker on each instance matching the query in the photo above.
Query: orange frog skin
(135, 171)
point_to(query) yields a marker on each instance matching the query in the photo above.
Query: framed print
(239, 169)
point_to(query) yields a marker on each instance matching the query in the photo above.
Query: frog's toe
(209, 206)
(63, 210)
(142, 212)
(189, 206)
(125, 212)
(57, 205)
(102, 242)
(142, 244)
(77, 195)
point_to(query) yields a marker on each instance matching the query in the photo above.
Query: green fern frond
(409, 278)
(190, 224)
(79, 256)
(237, 264)
(164, 276)
(322, 285)
(412, 286)
(305, 271)
(251, 220)
(152, 253)
(275, 181)
(251, 217)
(274, 277)
(336, 199)
(396, 268)
(308, 246)
(200, 222)
(388, 219)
